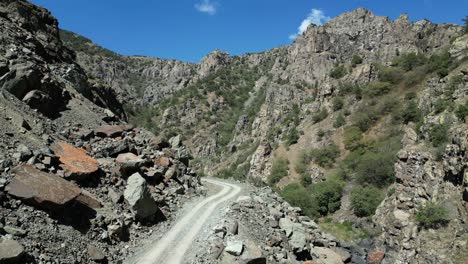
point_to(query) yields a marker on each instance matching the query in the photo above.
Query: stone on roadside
(175, 141)
(234, 247)
(10, 251)
(129, 163)
(46, 190)
(138, 196)
(95, 253)
(76, 162)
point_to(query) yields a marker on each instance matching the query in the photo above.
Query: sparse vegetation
(338, 72)
(321, 115)
(438, 134)
(278, 171)
(355, 60)
(352, 137)
(337, 103)
(365, 200)
(462, 111)
(432, 215)
(339, 121)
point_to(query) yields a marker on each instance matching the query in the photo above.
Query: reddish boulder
(111, 130)
(76, 162)
(375, 256)
(159, 143)
(46, 190)
(163, 161)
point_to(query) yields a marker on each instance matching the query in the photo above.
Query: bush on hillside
(374, 89)
(338, 72)
(432, 215)
(355, 60)
(337, 103)
(339, 121)
(365, 200)
(321, 115)
(438, 134)
(296, 195)
(411, 113)
(352, 137)
(409, 61)
(376, 168)
(278, 171)
(326, 156)
(462, 111)
(327, 195)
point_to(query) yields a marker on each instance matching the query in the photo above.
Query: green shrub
(365, 119)
(352, 137)
(321, 115)
(337, 103)
(440, 63)
(440, 105)
(355, 89)
(409, 61)
(376, 168)
(365, 200)
(432, 215)
(339, 121)
(411, 113)
(338, 72)
(373, 89)
(462, 111)
(355, 60)
(292, 137)
(438, 134)
(297, 195)
(327, 194)
(392, 75)
(326, 156)
(278, 171)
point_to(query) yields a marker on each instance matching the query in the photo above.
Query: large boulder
(46, 190)
(76, 162)
(10, 251)
(129, 163)
(138, 196)
(42, 189)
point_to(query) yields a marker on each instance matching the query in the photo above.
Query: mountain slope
(361, 122)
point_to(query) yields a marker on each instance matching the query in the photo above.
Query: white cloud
(206, 6)
(316, 16)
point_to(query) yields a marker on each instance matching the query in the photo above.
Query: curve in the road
(183, 233)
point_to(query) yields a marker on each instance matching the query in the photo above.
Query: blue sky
(189, 29)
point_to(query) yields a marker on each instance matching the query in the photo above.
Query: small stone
(14, 231)
(234, 247)
(10, 251)
(95, 253)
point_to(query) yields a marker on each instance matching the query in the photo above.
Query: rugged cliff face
(358, 80)
(75, 179)
(360, 105)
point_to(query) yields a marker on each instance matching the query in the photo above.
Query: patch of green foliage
(319, 116)
(278, 171)
(409, 61)
(355, 60)
(324, 157)
(372, 163)
(317, 199)
(81, 44)
(338, 72)
(411, 113)
(292, 137)
(337, 103)
(339, 121)
(344, 231)
(365, 199)
(373, 89)
(462, 111)
(438, 134)
(352, 137)
(432, 215)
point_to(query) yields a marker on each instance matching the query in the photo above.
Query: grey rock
(10, 251)
(138, 196)
(234, 247)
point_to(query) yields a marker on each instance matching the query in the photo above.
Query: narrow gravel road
(172, 247)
